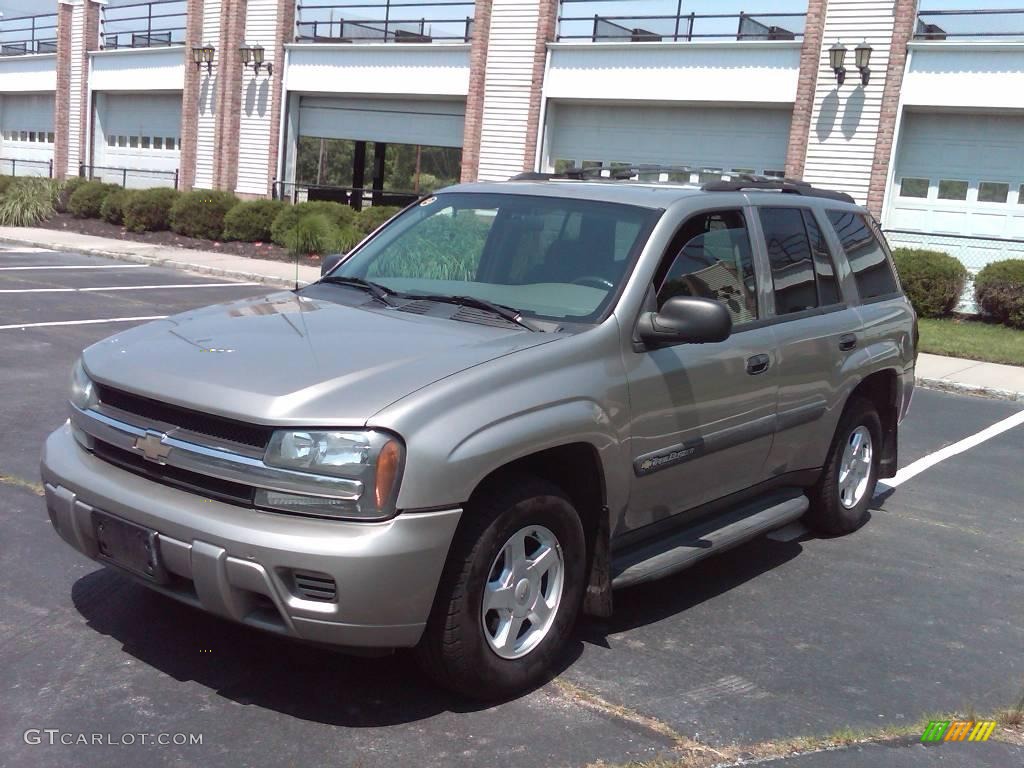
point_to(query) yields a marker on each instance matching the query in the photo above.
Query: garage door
(397, 121)
(26, 134)
(710, 140)
(138, 138)
(961, 177)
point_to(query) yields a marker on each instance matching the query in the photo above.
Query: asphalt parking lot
(921, 611)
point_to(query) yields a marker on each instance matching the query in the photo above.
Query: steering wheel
(594, 281)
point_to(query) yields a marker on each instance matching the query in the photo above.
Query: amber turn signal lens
(387, 472)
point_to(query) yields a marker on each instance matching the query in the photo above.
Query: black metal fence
(386, 21)
(11, 166)
(979, 24)
(22, 35)
(357, 197)
(130, 178)
(610, 21)
(159, 23)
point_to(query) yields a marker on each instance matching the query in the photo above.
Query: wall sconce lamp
(862, 56)
(203, 54)
(836, 57)
(254, 55)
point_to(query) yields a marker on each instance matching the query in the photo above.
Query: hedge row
(999, 291)
(205, 214)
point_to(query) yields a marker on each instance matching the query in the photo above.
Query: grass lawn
(973, 340)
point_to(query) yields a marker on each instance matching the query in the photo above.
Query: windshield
(547, 257)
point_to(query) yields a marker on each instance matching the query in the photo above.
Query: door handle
(847, 342)
(758, 364)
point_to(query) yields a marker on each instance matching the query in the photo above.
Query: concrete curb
(203, 269)
(956, 387)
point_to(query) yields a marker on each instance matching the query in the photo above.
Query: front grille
(193, 421)
(315, 586)
(211, 487)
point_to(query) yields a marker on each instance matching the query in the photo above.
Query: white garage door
(26, 134)
(397, 121)
(959, 181)
(710, 139)
(138, 138)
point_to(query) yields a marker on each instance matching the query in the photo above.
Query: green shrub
(201, 213)
(5, 182)
(999, 291)
(371, 218)
(149, 210)
(27, 202)
(87, 200)
(65, 189)
(313, 233)
(252, 221)
(933, 281)
(338, 215)
(112, 210)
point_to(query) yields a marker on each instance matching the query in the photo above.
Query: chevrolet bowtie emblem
(152, 447)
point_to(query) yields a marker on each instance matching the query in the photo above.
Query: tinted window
(865, 253)
(824, 266)
(789, 254)
(710, 257)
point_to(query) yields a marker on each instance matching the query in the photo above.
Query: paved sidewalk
(278, 273)
(934, 371)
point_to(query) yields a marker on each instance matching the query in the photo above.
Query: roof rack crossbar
(784, 185)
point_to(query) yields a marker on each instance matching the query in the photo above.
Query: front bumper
(241, 563)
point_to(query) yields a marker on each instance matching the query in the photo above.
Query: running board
(684, 548)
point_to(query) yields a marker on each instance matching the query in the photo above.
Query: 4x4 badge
(152, 447)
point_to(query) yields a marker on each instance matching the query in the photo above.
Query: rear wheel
(510, 591)
(840, 500)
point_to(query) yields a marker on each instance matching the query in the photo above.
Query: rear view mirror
(330, 262)
(685, 320)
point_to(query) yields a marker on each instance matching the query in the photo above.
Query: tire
(838, 508)
(458, 648)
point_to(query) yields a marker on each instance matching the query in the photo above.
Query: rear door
(815, 330)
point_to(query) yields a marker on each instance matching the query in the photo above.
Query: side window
(710, 257)
(824, 265)
(864, 251)
(789, 254)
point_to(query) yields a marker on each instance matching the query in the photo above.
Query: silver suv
(508, 401)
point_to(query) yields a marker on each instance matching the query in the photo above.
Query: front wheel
(510, 591)
(840, 500)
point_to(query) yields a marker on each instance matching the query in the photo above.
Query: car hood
(285, 359)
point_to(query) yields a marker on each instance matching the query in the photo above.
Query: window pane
(775, 174)
(111, 141)
(871, 269)
(24, 135)
(710, 174)
(952, 190)
(1020, 195)
(31, 135)
(133, 142)
(790, 257)
(993, 192)
(145, 142)
(914, 188)
(49, 138)
(824, 265)
(122, 141)
(714, 261)
(169, 143)
(158, 142)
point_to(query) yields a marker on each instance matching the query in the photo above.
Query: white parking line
(85, 266)
(123, 288)
(83, 322)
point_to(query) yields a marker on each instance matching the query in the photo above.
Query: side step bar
(679, 550)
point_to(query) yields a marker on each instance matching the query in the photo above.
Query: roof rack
(736, 183)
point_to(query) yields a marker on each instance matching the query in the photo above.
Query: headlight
(83, 393)
(374, 458)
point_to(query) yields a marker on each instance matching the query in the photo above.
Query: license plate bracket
(129, 546)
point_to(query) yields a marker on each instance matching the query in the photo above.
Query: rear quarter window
(868, 256)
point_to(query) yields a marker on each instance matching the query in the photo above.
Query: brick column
(285, 34)
(190, 97)
(546, 26)
(475, 98)
(229, 94)
(90, 42)
(807, 82)
(905, 13)
(62, 95)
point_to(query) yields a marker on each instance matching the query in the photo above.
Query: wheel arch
(882, 389)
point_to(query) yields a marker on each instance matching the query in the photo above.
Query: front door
(703, 414)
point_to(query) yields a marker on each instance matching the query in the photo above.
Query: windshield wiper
(381, 293)
(511, 314)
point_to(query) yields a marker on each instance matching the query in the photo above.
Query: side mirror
(330, 262)
(685, 320)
